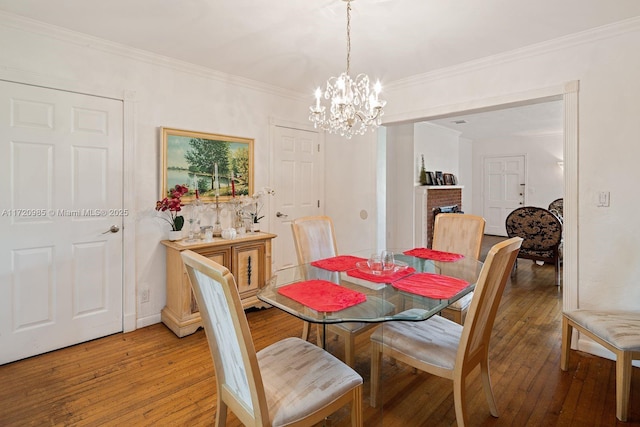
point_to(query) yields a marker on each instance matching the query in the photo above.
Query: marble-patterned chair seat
(618, 332)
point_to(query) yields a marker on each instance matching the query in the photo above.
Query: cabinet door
(249, 269)
(221, 256)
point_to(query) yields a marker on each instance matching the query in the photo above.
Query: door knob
(112, 229)
(281, 215)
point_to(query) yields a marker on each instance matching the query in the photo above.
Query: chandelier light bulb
(354, 103)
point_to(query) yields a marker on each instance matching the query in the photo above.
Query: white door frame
(568, 92)
(128, 99)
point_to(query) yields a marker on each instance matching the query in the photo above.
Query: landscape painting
(209, 163)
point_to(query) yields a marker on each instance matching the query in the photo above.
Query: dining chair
(618, 332)
(462, 234)
(314, 239)
(290, 382)
(542, 234)
(445, 348)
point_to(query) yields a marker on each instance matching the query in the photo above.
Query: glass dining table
(420, 284)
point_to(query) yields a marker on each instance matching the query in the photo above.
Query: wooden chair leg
(349, 350)
(488, 390)
(356, 407)
(221, 413)
(567, 330)
(460, 401)
(376, 361)
(623, 384)
(305, 331)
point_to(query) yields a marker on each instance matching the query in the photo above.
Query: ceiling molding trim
(561, 43)
(515, 99)
(80, 39)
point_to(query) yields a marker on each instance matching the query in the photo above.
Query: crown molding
(90, 42)
(561, 43)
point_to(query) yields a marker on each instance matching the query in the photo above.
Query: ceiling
(539, 119)
(297, 44)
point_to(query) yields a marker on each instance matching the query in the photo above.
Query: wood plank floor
(150, 377)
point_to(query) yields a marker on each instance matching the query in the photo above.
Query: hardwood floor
(150, 377)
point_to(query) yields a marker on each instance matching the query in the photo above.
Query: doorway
(568, 93)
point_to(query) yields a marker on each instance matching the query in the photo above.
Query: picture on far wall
(428, 179)
(214, 164)
(439, 178)
(449, 179)
(431, 178)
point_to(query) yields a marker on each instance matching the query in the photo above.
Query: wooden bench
(617, 331)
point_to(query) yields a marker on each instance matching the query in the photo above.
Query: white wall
(606, 65)
(401, 178)
(351, 190)
(465, 175)
(166, 93)
(440, 147)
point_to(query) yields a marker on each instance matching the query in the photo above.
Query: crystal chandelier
(355, 106)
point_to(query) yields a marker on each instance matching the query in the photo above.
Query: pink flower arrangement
(172, 206)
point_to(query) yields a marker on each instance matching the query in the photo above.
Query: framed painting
(209, 163)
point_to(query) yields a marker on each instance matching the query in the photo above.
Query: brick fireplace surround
(428, 198)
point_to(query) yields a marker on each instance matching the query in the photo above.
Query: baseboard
(148, 321)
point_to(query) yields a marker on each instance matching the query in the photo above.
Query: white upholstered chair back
(229, 337)
(314, 238)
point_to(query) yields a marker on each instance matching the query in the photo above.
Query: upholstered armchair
(542, 234)
(557, 208)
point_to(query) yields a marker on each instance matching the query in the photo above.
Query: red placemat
(431, 285)
(338, 263)
(381, 278)
(434, 255)
(322, 295)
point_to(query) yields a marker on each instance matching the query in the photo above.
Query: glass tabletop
(398, 294)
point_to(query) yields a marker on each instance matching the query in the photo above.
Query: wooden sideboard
(248, 257)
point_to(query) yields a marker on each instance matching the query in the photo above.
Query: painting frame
(190, 158)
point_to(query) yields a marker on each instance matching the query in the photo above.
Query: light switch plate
(603, 199)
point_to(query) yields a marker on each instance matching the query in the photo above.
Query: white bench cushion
(621, 329)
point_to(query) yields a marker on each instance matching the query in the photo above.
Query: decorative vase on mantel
(175, 235)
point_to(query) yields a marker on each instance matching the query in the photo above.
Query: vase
(175, 235)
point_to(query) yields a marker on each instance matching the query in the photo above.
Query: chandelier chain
(348, 36)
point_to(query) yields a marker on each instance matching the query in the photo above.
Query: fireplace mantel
(426, 199)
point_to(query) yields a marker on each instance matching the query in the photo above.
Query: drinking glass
(388, 260)
(375, 264)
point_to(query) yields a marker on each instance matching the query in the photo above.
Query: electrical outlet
(144, 296)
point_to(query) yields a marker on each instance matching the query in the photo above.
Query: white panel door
(504, 190)
(61, 180)
(297, 168)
